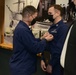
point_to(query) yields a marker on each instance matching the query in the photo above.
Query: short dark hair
(58, 7)
(29, 10)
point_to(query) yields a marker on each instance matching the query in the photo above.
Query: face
(74, 1)
(33, 16)
(53, 11)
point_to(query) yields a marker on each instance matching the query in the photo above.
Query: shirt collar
(59, 23)
(24, 24)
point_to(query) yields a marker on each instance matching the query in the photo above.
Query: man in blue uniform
(58, 29)
(25, 45)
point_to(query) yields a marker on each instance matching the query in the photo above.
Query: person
(58, 29)
(68, 54)
(25, 45)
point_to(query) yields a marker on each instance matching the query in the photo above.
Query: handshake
(47, 36)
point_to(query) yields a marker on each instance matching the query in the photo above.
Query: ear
(58, 12)
(27, 15)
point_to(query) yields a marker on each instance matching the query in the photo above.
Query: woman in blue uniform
(25, 45)
(58, 29)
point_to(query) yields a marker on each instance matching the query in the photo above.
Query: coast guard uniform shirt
(25, 48)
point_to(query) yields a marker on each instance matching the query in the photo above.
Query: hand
(49, 69)
(43, 65)
(46, 34)
(49, 37)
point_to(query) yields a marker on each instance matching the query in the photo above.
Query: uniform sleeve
(46, 49)
(32, 44)
(38, 39)
(58, 48)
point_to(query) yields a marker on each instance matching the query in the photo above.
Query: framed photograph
(13, 9)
